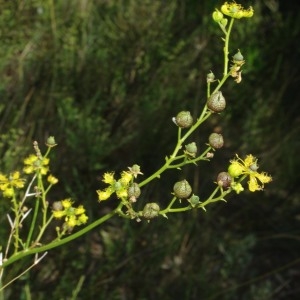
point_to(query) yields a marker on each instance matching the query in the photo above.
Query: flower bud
(217, 16)
(191, 149)
(184, 119)
(224, 180)
(182, 189)
(216, 140)
(151, 210)
(224, 22)
(216, 102)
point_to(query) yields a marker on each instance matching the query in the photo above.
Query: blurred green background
(105, 77)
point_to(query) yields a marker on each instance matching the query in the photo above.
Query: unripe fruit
(51, 142)
(191, 149)
(210, 77)
(134, 191)
(194, 200)
(238, 58)
(216, 140)
(184, 119)
(224, 180)
(182, 189)
(151, 210)
(216, 102)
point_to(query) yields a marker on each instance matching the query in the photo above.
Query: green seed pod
(238, 58)
(51, 141)
(194, 200)
(216, 140)
(224, 180)
(182, 189)
(216, 102)
(151, 210)
(210, 77)
(184, 119)
(134, 191)
(191, 149)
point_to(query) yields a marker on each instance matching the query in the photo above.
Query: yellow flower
(71, 221)
(52, 180)
(58, 213)
(119, 187)
(249, 167)
(79, 210)
(7, 184)
(126, 178)
(33, 163)
(73, 216)
(16, 181)
(83, 218)
(235, 10)
(104, 195)
(66, 203)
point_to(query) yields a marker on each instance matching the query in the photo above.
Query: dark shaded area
(105, 78)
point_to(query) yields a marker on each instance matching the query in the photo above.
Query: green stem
(42, 230)
(204, 116)
(226, 47)
(171, 203)
(194, 160)
(57, 243)
(32, 225)
(16, 223)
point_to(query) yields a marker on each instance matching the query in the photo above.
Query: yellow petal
(104, 195)
(253, 185)
(79, 210)
(263, 177)
(108, 178)
(122, 193)
(126, 177)
(249, 160)
(58, 213)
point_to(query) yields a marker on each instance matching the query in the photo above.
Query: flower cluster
(248, 167)
(33, 164)
(120, 187)
(73, 216)
(8, 183)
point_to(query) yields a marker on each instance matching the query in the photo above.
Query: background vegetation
(105, 78)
